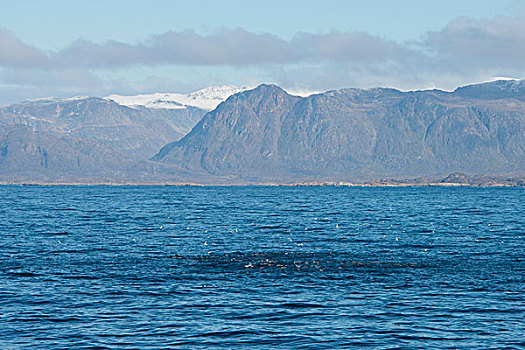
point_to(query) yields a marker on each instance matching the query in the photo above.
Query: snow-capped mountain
(207, 99)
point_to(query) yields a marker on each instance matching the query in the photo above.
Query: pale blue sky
(54, 24)
(99, 47)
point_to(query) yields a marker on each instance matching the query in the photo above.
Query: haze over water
(102, 267)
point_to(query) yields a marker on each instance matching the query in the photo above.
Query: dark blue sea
(118, 267)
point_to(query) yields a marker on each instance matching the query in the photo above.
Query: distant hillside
(27, 155)
(84, 136)
(266, 134)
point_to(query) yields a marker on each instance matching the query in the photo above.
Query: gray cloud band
(500, 40)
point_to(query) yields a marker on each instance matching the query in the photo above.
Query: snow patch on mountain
(501, 78)
(301, 92)
(207, 99)
(55, 99)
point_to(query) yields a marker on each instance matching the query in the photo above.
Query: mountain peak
(264, 90)
(271, 95)
(269, 88)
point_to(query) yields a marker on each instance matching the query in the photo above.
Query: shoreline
(265, 184)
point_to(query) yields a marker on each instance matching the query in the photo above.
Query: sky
(69, 48)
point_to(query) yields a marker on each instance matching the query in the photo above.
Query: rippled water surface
(101, 267)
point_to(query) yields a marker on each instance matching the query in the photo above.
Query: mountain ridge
(80, 136)
(266, 135)
(355, 133)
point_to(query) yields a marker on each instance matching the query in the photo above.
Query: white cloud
(464, 51)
